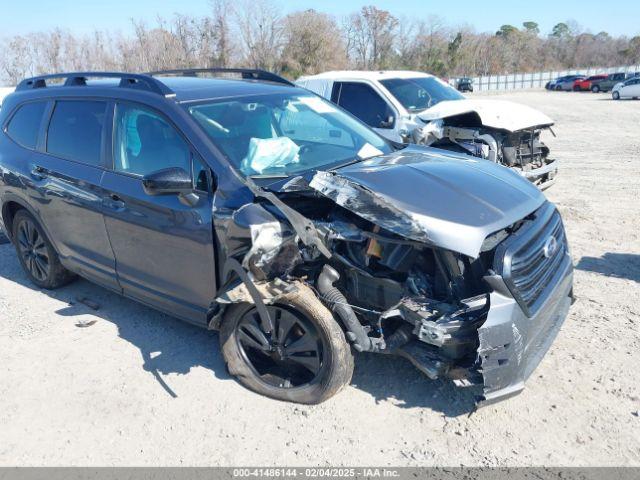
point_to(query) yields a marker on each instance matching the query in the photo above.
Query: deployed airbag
(268, 153)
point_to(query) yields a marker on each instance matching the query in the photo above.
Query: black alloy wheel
(298, 354)
(37, 256)
(33, 250)
(287, 354)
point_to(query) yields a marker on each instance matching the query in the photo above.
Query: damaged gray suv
(261, 210)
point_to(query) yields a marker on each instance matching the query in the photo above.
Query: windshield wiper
(348, 162)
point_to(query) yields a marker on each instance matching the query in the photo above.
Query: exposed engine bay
(521, 150)
(389, 282)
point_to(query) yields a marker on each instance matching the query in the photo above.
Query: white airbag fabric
(266, 153)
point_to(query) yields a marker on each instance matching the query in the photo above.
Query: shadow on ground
(617, 265)
(170, 346)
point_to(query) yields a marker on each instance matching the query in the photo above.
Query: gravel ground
(140, 388)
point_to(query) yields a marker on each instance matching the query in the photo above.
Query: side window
(145, 142)
(25, 124)
(75, 130)
(364, 102)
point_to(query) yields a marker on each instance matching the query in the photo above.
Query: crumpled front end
(531, 292)
(512, 344)
(501, 132)
(468, 280)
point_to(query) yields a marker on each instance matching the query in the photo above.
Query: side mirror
(167, 181)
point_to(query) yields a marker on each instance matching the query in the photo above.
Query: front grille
(528, 263)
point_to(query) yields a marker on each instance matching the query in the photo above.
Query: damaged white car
(415, 107)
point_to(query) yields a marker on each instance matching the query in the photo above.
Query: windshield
(285, 134)
(420, 93)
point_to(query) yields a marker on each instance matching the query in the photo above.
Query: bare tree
(370, 37)
(255, 33)
(260, 30)
(223, 48)
(312, 43)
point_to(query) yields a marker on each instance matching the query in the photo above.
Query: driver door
(163, 244)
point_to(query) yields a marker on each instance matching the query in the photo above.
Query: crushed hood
(434, 196)
(498, 114)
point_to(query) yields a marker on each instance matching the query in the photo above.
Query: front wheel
(595, 89)
(616, 95)
(37, 256)
(302, 356)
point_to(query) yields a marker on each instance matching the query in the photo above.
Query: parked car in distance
(464, 84)
(609, 82)
(416, 107)
(627, 89)
(566, 84)
(551, 85)
(261, 210)
(585, 84)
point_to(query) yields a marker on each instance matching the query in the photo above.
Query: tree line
(257, 34)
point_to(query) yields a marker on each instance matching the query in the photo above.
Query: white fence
(539, 79)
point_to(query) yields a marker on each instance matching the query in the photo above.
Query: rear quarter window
(24, 126)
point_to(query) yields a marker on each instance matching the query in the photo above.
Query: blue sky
(21, 16)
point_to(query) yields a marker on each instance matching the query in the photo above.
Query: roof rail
(127, 80)
(246, 73)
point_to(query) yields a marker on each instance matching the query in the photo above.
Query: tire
(37, 256)
(595, 89)
(269, 369)
(576, 89)
(558, 88)
(615, 95)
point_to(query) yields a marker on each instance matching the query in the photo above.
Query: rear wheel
(301, 357)
(595, 89)
(36, 254)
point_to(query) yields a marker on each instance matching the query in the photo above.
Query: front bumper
(543, 177)
(512, 344)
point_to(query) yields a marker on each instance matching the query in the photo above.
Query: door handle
(115, 202)
(38, 173)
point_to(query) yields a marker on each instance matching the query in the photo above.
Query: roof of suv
(180, 88)
(190, 89)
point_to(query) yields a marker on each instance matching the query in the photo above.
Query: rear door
(66, 172)
(163, 244)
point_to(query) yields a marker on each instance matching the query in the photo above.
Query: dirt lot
(140, 388)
